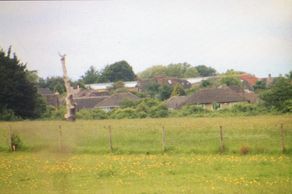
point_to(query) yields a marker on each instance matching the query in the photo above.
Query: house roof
(220, 95)
(88, 102)
(176, 101)
(116, 99)
(250, 79)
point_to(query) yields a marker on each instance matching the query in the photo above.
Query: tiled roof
(176, 101)
(220, 95)
(88, 102)
(116, 99)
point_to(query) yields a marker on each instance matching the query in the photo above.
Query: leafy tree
(178, 91)
(152, 89)
(206, 83)
(164, 92)
(157, 70)
(260, 85)
(279, 94)
(91, 76)
(289, 75)
(119, 71)
(180, 70)
(230, 78)
(55, 84)
(205, 71)
(18, 92)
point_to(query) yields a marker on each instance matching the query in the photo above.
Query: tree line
(19, 97)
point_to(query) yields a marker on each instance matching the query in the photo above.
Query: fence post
(282, 138)
(110, 138)
(163, 139)
(60, 138)
(9, 139)
(221, 140)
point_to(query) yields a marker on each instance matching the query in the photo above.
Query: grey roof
(176, 101)
(88, 102)
(220, 95)
(116, 99)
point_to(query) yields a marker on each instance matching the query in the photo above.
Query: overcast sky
(248, 35)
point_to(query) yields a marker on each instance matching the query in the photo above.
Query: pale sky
(248, 35)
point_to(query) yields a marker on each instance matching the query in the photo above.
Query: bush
(159, 111)
(54, 113)
(16, 142)
(124, 113)
(8, 115)
(91, 114)
(191, 110)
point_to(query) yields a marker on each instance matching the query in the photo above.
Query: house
(50, 97)
(214, 98)
(176, 102)
(248, 80)
(115, 100)
(88, 102)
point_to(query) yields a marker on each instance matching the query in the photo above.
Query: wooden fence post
(221, 140)
(282, 138)
(60, 138)
(110, 138)
(163, 139)
(9, 139)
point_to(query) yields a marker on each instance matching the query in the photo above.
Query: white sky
(248, 35)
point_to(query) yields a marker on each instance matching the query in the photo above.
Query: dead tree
(70, 104)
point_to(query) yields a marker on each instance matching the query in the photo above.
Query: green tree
(91, 76)
(180, 70)
(164, 92)
(18, 92)
(278, 95)
(230, 78)
(119, 71)
(260, 85)
(55, 84)
(178, 90)
(205, 71)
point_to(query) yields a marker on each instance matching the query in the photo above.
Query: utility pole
(70, 104)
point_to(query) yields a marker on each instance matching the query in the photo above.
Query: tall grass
(183, 135)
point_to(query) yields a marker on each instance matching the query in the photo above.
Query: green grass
(192, 162)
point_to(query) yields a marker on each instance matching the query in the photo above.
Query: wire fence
(145, 139)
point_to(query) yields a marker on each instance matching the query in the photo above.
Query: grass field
(192, 162)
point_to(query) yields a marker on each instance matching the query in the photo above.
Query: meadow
(80, 160)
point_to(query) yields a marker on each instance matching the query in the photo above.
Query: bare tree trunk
(70, 104)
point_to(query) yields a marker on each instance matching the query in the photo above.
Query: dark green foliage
(205, 71)
(178, 90)
(18, 92)
(260, 85)
(206, 83)
(278, 96)
(247, 108)
(91, 76)
(119, 71)
(8, 115)
(164, 92)
(152, 89)
(158, 111)
(230, 80)
(55, 84)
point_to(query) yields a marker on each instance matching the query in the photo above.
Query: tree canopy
(205, 71)
(91, 76)
(180, 70)
(18, 92)
(119, 71)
